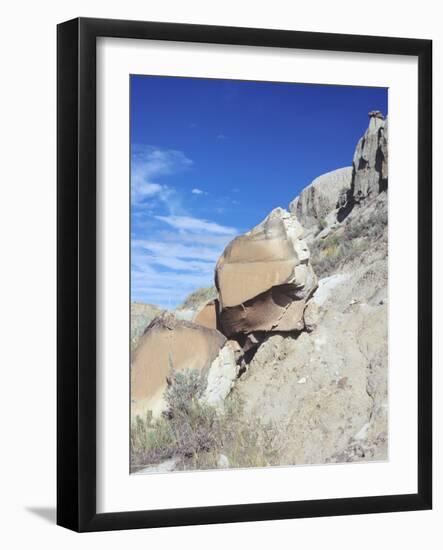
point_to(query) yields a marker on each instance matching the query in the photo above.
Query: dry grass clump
(196, 434)
(357, 235)
(371, 227)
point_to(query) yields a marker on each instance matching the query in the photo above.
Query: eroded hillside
(300, 320)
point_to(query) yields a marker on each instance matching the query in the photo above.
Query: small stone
(302, 380)
(376, 114)
(311, 315)
(223, 462)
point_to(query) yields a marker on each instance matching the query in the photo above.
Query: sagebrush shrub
(195, 434)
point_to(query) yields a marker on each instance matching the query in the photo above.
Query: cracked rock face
(370, 163)
(222, 374)
(320, 198)
(264, 278)
(168, 342)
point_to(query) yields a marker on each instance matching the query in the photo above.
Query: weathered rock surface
(264, 278)
(327, 285)
(327, 390)
(326, 387)
(206, 315)
(370, 163)
(222, 374)
(141, 316)
(168, 342)
(321, 198)
(313, 356)
(195, 304)
(162, 468)
(311, 315)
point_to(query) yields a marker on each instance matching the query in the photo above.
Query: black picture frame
(76, 278)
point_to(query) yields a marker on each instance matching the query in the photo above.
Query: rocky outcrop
(222, 374)
(311, 315)
(327, 389)
(331, 197)
(141, 316)
(370, 163)
(307, 356)
(206, 315)
(264, 278)
(168, 343)
(319, 199)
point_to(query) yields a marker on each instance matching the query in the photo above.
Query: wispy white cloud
(163, 278)
(188, 223)
(175, 253)
(161, 286)
(167, 268)
(150, 163)
(182, 250)
(221, 136)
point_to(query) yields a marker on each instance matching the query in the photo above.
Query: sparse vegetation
(357, 235)
(141, 316)
(368, 228)
(199, 297)
(321, 225)
(195, 434)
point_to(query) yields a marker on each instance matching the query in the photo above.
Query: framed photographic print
(244, 274)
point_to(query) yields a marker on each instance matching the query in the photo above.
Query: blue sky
(211, 158)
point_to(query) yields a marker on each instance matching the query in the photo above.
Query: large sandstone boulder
(370, 163)
(321, 197)
(264, 278)
(168, 342)
(206, 315)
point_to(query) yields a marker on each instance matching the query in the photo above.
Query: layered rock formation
(168, 343)
(315, 204)
(370, 163)
(264, 278)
